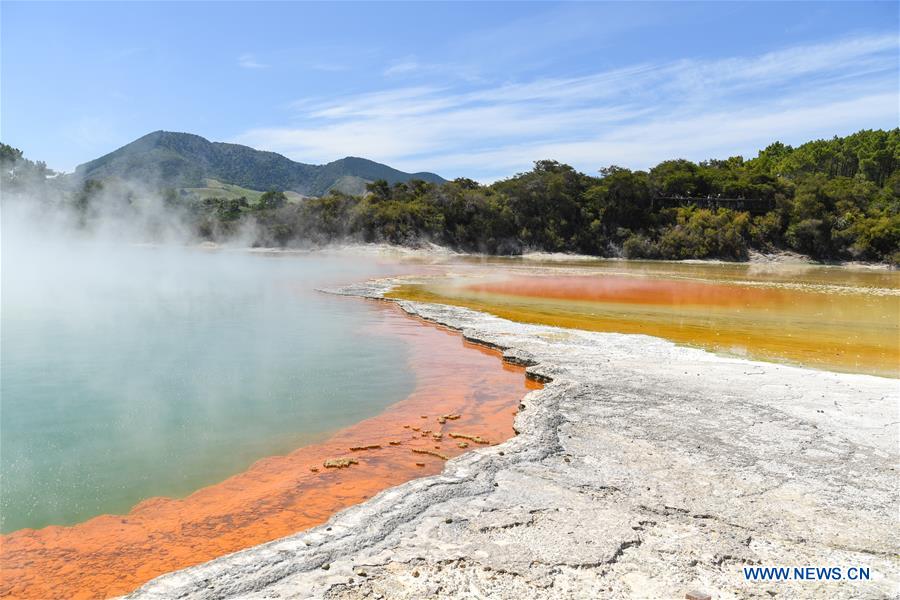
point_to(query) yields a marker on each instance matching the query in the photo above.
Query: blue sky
(464, 89)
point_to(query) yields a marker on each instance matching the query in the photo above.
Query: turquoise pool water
(132, 372)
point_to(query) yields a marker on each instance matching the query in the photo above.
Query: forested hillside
(834, 199)
(183, 160)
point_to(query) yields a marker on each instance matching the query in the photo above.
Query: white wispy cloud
(633, 116)
(248, 61)
(402, 67)
(411, 67)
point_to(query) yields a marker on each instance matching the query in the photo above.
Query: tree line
(836, 199)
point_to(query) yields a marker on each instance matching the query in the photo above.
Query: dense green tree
(18, 173)
(271, 200)
(379, 189)
(545, 205)
(228, 209)
(677, 178)
(621, 199)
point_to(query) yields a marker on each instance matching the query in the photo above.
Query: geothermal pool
(167, 406)
(834, 318)
(138, 372)
(133, 372)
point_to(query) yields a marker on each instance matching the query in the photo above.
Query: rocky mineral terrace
(641, 470)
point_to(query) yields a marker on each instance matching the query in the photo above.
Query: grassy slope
(217, 189)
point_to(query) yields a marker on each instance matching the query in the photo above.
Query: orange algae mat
(856, 331)
(278, 496)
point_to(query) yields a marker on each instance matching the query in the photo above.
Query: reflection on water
(826, 317)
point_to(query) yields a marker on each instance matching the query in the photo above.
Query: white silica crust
(642, 470)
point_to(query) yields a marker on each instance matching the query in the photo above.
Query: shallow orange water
(278, 496)
(634, 290)
(847, 328)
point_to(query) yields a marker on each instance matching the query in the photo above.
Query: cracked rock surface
(641, 470)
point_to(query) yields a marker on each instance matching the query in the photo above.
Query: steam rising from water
(136, 365)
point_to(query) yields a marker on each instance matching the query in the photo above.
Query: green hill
(167, 159)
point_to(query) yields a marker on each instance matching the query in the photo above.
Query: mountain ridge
(186, 160)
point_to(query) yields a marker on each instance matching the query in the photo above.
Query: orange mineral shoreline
(458, 391)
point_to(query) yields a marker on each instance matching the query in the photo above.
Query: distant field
(217, 189)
